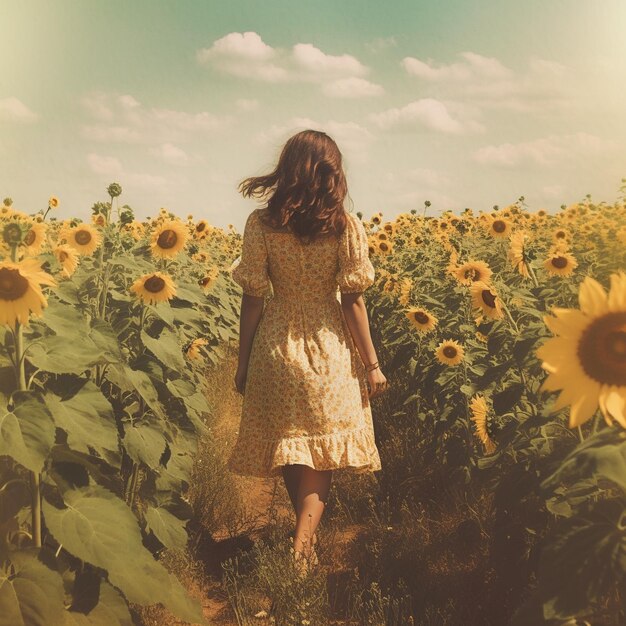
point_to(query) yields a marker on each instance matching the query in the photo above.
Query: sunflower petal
(592, 297)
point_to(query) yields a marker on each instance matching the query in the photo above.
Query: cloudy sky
(465, 104)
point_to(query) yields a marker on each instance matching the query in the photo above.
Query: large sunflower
(20, 290)
(84, 238)
(587, 360)
(485, 298)
(421, 319)
(479, 410)
(154, 288)
(168, 239)
(449, 352)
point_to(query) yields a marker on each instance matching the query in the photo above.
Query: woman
(307, 365)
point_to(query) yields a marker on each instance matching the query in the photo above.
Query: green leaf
(27, 432)
(126, 378)
(31, 594)
(166, 348)
(506, 399)
(111, 610)
(61, 354)
(98, 527)
(144, 444)
(88, 419)
(169, 530)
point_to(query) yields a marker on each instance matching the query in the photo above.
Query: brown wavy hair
(306, 189)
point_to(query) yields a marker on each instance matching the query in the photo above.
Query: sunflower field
(479, 319)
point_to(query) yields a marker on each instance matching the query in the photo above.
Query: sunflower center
(559, 262)
(154, 284)
(63, 256)
(560, 234)
(82, 237)
(499, 226)
(29, 238)
(167, 239)
(12, 284)
(602, 349)
(450, 352)
(421, 317)
(488, 298)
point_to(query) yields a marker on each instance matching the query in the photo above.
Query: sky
(464, 104)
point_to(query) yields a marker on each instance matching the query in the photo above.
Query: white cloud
(14, 110)
(171, 154)
(474, 65)
(247, 104)
(546, 151)
(246, 55)
(104, 164)
(487, 82)
(123, 119)
(353, 87)
(429, 113)
(307, 57)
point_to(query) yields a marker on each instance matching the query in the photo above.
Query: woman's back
(303, 273)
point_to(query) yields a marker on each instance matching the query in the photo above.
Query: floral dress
(305, 398)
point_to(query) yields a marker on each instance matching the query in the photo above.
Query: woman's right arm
(355, 313)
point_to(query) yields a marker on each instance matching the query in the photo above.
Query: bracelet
(371, 366)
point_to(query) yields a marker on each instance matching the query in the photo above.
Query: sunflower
(381, 235)
(472, 271)
(486, 300)
(192, 350)
(561, 234)
(376, 218)
(560, 264)
(35, 238)
(208, 281)
(517, 252)
(478, 406)
(384, 247)
(20, 290)
(421, 319)
(201, 229)
(98, 220)
(53, 202)
(84, 238)
(449, 352)
(499, 227)
(67, 257)
(587, 360)
(153, 288)
(168, 239)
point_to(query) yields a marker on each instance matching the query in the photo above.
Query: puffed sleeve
(356, 272)
(251, 273)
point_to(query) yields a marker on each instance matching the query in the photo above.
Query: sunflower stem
(533, 275)
(580, 433)
(506, 310)
(35, 477)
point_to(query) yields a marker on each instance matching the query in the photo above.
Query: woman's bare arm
(251, 313)
(355, 313)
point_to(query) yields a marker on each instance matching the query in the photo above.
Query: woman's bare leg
(291, 476)
(310, 502)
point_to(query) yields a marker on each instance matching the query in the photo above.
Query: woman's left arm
(250, 316)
